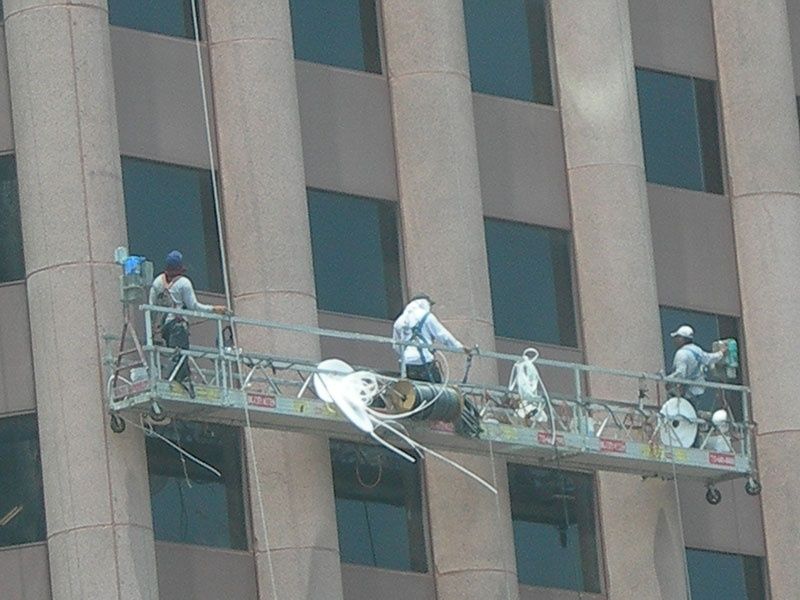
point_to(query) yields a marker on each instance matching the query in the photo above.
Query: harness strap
(416, 335)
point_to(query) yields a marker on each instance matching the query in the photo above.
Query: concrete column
(615, 274)
(99, 528)
(763, 151)
(269, 256)
(445, 256)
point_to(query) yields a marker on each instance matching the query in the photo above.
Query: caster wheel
(156, 414)
(117, 424)
(752, 487)
(713, 496)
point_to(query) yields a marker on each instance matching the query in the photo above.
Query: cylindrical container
(406, 395)
(138, 374)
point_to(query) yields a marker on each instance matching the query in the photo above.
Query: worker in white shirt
(417, 324)
(691, 361)
(174, 289)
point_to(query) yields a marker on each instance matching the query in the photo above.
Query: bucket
(138, 374)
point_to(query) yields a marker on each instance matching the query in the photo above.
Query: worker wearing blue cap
(174, 289)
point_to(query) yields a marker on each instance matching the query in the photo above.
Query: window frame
(598, 530)
(571, 259)
(424, 513)
(30, 413)
(719, 128)
(379, 43)
(202, 32)
(551, 63)
(244, 491)
(762, 570)
(12, 153)
(400, 285)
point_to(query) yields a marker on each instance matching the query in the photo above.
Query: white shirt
(432, 331)
(179, 293)
(690, 362)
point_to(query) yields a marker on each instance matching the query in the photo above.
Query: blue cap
(174, 260)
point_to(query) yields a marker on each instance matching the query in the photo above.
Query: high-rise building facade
(579, 175)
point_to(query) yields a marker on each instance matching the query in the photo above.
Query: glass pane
(553, 518)
(12, 261)
(171, 207)
(190, 504)
(531, 282)
(715, 575)
(679, 131)
(378, 508)
(167, 17)
(356, 254)
(508, 49)
(341, 33)
(22, 518)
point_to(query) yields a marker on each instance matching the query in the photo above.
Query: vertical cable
(228, 299)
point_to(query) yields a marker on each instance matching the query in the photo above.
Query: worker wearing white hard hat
(691, 361)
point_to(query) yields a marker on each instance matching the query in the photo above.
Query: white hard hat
(683, 331)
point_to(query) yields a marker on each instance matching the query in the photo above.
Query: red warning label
(613, 446)
(724, 460)
(262, 400)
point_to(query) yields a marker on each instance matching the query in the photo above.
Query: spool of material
(406, 395)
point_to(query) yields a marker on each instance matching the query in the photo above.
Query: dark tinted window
(21, 498)
(190, 504)
(553, 517)
(708, 328)
(680, 132)
(341, 33)
(171, 207)
(531, 280)
(167, 17)
(378, 508)
(508, 48)
(356, 254)
(12, 261)
(716, 575)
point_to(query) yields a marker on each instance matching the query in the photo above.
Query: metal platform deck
(591, 434)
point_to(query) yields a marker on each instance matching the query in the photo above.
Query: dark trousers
(428, 372)
(176, 335)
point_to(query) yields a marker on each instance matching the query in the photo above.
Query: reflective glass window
(531, 281)
(508, 49)
(22, 519)
(171, 207)
(378, 508)
(167, 17)
(12, 260)
(356, 254)
(708, 328)
(680, 132)
(340, 33)
(190, 504)
(555, 537)
(717, 575)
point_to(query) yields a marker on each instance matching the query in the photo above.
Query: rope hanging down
(228, 299)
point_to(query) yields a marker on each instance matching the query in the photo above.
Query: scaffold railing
(630, 432)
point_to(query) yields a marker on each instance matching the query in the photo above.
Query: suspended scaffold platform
(634, 432)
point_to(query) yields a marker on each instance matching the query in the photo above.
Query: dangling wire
(228, 299)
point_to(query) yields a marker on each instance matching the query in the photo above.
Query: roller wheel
(117, 424)
(752, 487)
(713, 496)
(156, 414)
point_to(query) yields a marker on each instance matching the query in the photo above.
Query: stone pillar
(615, 275)
(763, 154)
(99, 528)
(445, 256)
(269, 257)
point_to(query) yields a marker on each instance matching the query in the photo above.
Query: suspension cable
(228, 298)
